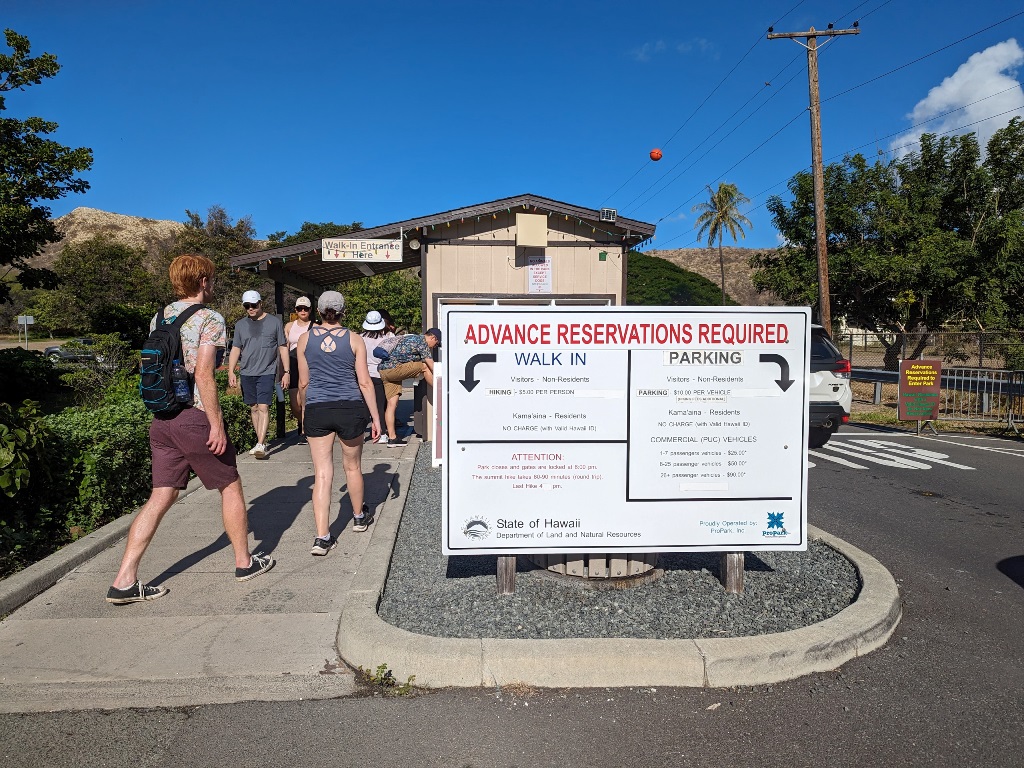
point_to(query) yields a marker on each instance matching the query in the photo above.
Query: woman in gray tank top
(338, 400)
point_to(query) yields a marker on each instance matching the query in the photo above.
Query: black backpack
(159, 352)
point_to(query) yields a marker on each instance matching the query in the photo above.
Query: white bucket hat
(373, 321)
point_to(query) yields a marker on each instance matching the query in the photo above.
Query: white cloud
(992, 71)
(698, 45)
(645, 51)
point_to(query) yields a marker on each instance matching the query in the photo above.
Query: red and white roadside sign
(624, 429)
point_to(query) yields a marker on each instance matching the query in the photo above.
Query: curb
(367, 641)
(19, 588)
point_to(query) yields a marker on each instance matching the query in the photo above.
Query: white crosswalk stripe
(883, 452)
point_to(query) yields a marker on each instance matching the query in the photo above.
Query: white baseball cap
(251, 297)
(303, 301)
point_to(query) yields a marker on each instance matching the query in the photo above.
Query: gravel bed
(435, 595)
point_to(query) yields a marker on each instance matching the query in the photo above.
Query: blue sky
(378, 112)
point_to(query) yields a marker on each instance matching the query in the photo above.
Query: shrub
(239, 422)
(237, 415)
(25, 473)
(115, 366)
(653, 281)
(99, 454)
(26, 374)
(107, 460)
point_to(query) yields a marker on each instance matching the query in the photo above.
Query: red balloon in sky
(655, 155)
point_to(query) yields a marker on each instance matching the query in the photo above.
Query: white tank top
(295, 331)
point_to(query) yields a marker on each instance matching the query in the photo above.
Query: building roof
(300, 265)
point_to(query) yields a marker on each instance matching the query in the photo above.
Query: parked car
(74, 351)
(831, 395)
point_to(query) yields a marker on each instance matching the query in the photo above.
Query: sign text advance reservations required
(624, 429)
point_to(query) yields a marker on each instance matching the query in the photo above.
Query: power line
(699, 106)
(873, 10)
(658, 181)
(854, 149)
(792, 120)
(644, 191)
(922, 58)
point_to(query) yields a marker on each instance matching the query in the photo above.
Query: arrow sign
(785, 382)
(470, 381)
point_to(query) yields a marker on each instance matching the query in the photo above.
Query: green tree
(916, 243)
(397, 292)
(219, 237)
(313, 231)
(1005, 161)
(654, 282)
(32, 168)
(103, 282)
(721, 214)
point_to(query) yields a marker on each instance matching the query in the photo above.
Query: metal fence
(979, 394)
(990, 350)
(966, 394)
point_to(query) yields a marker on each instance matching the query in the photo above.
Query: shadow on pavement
(1013, 569)
(270, 515)
(380, 484)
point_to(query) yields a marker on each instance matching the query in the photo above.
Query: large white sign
(624, 429)
(348, 249)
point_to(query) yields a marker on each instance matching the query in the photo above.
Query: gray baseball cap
(331, 300)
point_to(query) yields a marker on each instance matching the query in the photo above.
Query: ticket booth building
(525, 249)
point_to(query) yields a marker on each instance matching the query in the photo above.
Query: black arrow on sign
(785, 382)
(470, 381)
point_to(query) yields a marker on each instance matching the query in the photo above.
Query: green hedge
(106, 458)
(66, 474)
(26, 373)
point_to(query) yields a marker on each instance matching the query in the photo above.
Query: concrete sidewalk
(278, 637)
(211, 639)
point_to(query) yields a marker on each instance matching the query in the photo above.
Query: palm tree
(721, 214)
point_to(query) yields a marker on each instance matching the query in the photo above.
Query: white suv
(831, 395)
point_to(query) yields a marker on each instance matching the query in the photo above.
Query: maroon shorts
(179, 445)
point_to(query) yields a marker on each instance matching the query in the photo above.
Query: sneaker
(323, 546)
(382, 440)
(399, 443)
(252, 450)
(362, 522)
(302, 440)
(136, 593)
(260, 451)
(259, 563)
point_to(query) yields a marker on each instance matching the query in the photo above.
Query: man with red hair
(194, 439)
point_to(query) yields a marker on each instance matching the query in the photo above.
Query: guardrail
(968, 394)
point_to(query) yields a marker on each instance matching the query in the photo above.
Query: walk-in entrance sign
(624, 429)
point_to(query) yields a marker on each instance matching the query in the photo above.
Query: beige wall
(501, 268)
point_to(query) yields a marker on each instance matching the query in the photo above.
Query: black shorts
(347, 419)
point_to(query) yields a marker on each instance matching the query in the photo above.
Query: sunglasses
(247, 305)
(303, 309)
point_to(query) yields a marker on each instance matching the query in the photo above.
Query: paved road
(946, 690)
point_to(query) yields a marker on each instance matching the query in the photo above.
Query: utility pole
(820, 234)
